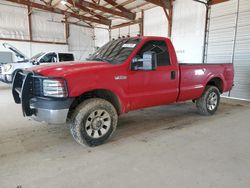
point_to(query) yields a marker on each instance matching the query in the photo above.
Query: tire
(209, 102)
(93, 122)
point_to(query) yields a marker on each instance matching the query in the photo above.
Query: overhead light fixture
(63, 2)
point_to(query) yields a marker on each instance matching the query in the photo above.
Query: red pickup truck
(124, 75)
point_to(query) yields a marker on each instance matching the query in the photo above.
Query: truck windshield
(116, 51)
(37, 56)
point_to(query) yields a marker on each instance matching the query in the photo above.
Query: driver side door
(154, 87)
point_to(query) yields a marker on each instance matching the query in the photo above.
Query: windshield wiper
(98, 59)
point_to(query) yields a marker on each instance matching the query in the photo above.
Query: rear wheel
(93, 122)
(208, 103)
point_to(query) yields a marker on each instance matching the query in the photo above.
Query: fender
(118, 92)
(213, 76)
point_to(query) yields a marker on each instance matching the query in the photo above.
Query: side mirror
(148, 62)
(35, 63)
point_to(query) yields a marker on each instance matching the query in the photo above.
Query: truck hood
(67, 68)
(16, 51)
(15, 66)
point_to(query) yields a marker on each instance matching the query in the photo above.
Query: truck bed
(194, 77)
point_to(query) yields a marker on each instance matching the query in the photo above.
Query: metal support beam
(213, 2)
(159, 3)
(127, 15)
(59, 11)
(96, 1)
(120, 7)
(87, 10)
(35, 41)
(126, 24)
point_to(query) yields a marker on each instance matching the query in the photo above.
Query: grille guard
(23, 89)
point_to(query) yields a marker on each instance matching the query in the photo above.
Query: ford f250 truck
(124, 75)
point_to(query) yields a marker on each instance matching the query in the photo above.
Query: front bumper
(6, 78)
(44, 109)
(51, 111)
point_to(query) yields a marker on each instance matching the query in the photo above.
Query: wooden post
(170, 20)
(66, 29)
(168, 9)
(109, 33)
(142, 23)
(29, 23)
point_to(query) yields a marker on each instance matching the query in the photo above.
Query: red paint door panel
(151, 88)
(156, 87)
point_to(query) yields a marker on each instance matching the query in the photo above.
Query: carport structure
(111, 14)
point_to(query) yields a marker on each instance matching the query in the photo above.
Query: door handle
(173, 75)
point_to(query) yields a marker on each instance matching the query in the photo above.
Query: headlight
(54, 88)
(7, 67)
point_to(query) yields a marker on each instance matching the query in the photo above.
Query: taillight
(54, 88)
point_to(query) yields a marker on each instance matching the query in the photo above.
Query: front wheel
(208, 103)
(93, 122)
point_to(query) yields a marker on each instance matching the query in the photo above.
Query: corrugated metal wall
(132, 30)
(228, 41)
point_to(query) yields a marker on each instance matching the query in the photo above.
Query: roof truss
(103, 11)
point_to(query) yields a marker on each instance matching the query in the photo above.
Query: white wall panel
(242, 53)
(123, 31)
(115, 33)
(132, 31)
(81, 41)
(36, 48)
(13, 21)
(221, 32)
(188, 30)
(101, 37)
(155, 22)
(47, 27)
(229, 42)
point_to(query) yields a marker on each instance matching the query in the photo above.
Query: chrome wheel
(212, 101)
(98, 123)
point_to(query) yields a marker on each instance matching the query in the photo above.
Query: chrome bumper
(50, 116)
(50, 111)
(6, 78)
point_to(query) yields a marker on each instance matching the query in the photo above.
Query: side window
(160, 48)
(48, 58)
(66, 57)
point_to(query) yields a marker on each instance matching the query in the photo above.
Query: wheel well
(98, 93)
(217, 82)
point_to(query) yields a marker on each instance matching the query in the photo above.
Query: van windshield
(115, 51)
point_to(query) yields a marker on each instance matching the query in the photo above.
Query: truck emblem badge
(120, 77)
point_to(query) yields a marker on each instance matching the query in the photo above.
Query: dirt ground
(168, 146)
